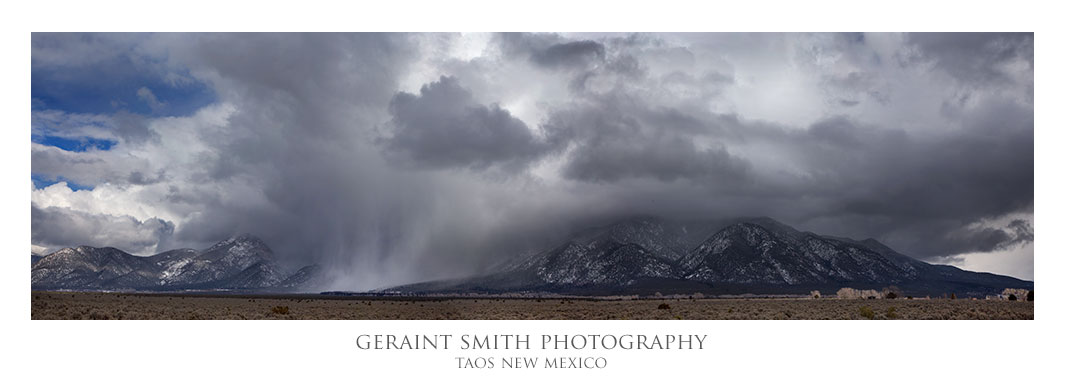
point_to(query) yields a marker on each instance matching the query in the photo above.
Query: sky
(395, 158)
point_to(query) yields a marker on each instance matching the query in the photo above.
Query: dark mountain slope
(758, 255)
(238, 263)
(88, 268)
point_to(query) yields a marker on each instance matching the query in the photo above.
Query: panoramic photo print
(604, 176)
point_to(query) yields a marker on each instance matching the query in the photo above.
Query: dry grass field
(84, 305)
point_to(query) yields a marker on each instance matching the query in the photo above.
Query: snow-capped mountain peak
(239, 262)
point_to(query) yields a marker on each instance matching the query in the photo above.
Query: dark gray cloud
(986, 239)
(920, 192)
(979, 59)
(132, 127)
(139, 178)
(569, 54)
(666, 159)
(612, 139)
(319, 143)
(443, 126)
(552, 51)
(917, 190)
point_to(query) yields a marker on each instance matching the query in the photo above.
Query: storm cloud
(552, 51)
(979, 59)
(395, 158)
(613, 140)
(443, 126)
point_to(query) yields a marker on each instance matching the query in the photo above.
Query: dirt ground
(110, 306)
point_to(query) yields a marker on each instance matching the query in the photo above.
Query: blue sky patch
(75, 144)
(41, 181)
(115, 85)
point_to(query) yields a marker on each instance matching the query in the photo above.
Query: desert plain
(145, 306)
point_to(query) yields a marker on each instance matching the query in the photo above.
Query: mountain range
(632, 256)
(757, 255)
(239, 263)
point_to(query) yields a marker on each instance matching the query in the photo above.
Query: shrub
(872, 297)
(891, 313)
(1031, 295)
(866, 312)
(663, 306)
(891, 296)
(952, 296)
(1013, 297)
(280, 310)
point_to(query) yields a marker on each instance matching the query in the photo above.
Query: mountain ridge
(747, 255)
(241, 262)
(642, 255)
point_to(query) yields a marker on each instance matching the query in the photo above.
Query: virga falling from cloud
(393, 158)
